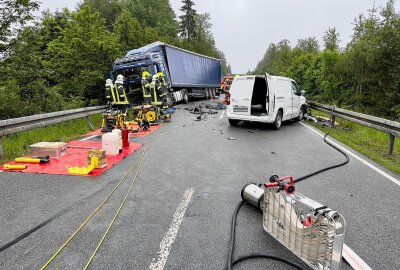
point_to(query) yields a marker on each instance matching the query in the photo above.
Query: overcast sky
(243, 29)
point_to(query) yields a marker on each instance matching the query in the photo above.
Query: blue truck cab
(187, 74)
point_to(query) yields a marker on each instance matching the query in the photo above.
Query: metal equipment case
(310, 230)
(51, 149)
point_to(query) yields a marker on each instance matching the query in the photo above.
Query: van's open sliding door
(259, 100)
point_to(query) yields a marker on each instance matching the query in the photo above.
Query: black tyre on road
(185, 96)
(301, 114)
(278, 120)
(233, 122)
(213, 92)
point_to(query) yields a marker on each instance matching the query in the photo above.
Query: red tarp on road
(140, 133)
(76, 157)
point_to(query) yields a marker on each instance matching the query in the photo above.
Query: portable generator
(111, 119)
(312, 231)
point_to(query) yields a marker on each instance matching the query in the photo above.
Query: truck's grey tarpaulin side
(192, 70)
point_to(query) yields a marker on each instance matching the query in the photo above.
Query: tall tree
(130, 34)
(309, 45)
(83, 56)
(109, 9)
(188, 25)
(331, 39)
(13, 15)
(156, 14)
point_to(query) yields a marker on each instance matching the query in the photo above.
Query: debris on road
(218, 106)
(232, 139)
(202, 111)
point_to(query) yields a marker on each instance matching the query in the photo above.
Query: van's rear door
(241, 93)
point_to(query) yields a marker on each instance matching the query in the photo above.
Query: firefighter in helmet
(122, 102)
(146, 80)
(110, 92)
(159, 90)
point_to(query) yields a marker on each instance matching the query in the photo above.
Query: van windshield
(243, 86)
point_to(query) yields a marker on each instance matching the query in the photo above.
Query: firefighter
(161, 79)
(146, 80)
(159, 91)
(122, 102)
(110, 92)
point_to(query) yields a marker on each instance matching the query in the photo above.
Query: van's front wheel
(301, 114)
(278, 120)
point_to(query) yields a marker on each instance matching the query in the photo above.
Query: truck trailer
(187, 74)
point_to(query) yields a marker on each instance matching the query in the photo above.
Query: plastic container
(110, 143)
(119, 132)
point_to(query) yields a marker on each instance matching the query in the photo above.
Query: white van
(268, 99)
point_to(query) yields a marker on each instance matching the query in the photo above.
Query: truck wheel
(278, 120)
(301, 114)
(169, 99)
(185, 96)
(207, 94)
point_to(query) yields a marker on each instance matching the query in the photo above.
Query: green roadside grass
(369, 142)
(17, 145)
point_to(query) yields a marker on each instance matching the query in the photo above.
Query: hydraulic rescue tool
(14, 167)
(312, 231)
(40, 160)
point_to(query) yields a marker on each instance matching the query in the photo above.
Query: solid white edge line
(222, 115)
(353, 259)
(158, 262)
(88, 138)
(391, 178)
(348, 254)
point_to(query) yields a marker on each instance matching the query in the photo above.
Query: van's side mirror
(302, 92)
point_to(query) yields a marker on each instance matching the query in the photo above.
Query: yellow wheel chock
(94, 161)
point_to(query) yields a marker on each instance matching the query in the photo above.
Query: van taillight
(228, 98)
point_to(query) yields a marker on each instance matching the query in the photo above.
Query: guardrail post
(391, 143)
(1, 148)
(333, 117)
(90, 123)
(333, 120)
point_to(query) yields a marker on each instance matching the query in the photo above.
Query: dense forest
(60, 60)
(364, 76)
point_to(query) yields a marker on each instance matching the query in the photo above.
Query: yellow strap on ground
(98, 208)
(116, 214)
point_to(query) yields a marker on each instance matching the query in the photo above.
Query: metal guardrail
(381, 124)
(16, 125)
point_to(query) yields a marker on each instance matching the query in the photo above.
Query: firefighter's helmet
(145, 74)
(109, 82)
(120, 79)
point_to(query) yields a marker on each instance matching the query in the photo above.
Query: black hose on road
(329, 167)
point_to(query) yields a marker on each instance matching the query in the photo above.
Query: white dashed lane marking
(161, 257)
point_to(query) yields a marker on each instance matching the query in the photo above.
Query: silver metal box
(52, 149)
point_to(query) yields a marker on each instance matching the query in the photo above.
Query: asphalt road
(194, 158)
